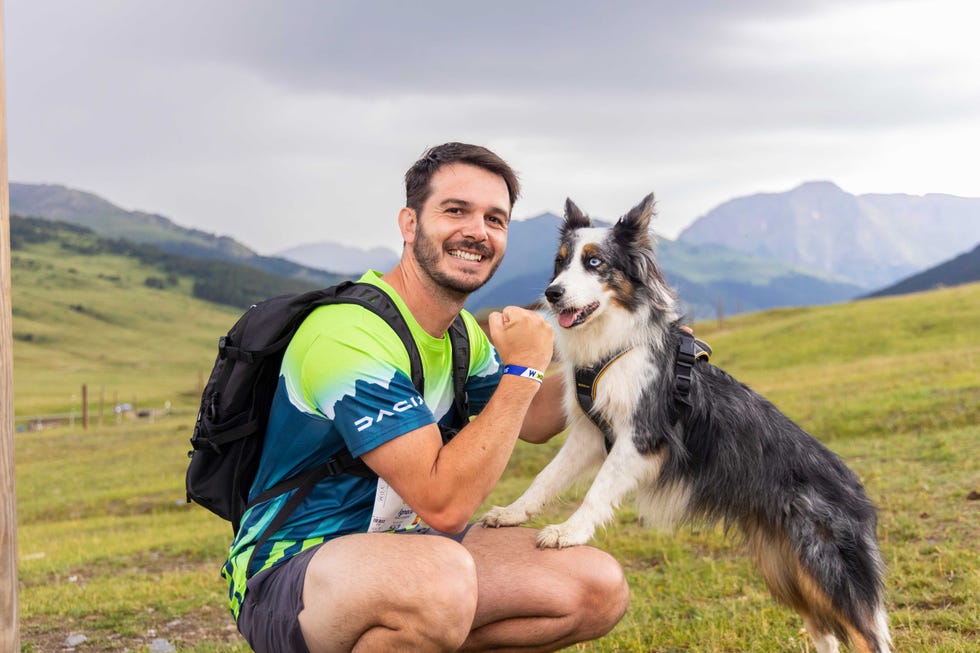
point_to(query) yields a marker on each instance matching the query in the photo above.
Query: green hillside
(964, 268)
(865, 368)
(119, 318)
(58, 203)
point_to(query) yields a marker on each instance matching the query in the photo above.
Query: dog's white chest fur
(617, 389)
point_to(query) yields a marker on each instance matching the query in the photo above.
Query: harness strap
(689, 350)
(585, 389)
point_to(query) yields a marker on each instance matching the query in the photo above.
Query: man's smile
(466, 256)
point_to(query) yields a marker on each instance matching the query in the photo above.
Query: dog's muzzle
(554, 293)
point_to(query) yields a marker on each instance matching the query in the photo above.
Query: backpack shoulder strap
(377, 300)
(460, 341)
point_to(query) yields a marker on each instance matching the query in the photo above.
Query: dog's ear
(635, 225)
(574, 218)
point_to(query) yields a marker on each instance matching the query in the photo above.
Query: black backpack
(230, 429)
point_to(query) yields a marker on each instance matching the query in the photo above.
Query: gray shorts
(269, 618)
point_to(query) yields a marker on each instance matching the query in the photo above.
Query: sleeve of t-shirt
(357, 375)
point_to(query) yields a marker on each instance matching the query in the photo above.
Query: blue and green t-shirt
(345, 381)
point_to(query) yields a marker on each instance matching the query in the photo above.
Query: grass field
(92, 320)
(109, 550)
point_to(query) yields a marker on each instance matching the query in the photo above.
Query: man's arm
(546, 415)
(446, 485)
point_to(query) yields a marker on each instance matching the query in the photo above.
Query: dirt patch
(207, 625)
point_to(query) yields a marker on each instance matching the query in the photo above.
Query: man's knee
(447, 599)
(603, 594)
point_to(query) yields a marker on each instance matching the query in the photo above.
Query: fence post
(84, 406)
(9, 627)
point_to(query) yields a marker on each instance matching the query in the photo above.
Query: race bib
(390, 512)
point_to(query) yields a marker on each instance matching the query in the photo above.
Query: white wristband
(526, 372)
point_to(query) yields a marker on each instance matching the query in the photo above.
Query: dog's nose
(553, 293)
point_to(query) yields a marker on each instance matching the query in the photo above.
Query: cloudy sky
(282, 123)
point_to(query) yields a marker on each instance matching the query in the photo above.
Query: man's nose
(476, 228)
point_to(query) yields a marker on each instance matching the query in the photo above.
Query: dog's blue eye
(595, 262)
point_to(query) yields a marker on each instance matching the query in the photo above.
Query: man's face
(461, 234)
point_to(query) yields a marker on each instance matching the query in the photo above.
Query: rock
(160, 645)
(74, 640)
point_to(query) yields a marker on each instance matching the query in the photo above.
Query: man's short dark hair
(417, 186)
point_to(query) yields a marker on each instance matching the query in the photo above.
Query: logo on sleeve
(402, 406)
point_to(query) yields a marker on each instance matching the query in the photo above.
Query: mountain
(55, 202)
(965, 268)
(341, 258)
(220, 282)
(869, 240)
(710, 279)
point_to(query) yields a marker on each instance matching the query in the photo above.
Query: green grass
(108, 548)
(92, 320)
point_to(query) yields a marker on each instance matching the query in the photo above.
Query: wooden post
(84, 406)
(9, 627)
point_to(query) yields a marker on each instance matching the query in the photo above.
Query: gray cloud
(294, 121)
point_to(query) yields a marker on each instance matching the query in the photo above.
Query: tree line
(217, 281)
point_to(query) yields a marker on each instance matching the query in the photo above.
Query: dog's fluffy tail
(833, 578)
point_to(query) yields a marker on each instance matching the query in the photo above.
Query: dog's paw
(504, 516)
(560, 536)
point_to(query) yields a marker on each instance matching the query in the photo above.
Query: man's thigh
(367, 583)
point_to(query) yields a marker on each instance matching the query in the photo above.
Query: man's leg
(384, 592)
(533, 599)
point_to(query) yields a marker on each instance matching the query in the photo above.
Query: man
(331, 578)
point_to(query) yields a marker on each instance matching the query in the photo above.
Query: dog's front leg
(582, 451)
(622, 471)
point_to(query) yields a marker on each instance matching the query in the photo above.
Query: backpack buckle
(211, 412)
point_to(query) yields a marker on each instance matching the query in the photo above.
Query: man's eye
(594, 262)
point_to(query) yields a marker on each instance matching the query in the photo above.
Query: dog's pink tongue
(567, 318)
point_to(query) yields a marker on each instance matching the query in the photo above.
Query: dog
(717, 452)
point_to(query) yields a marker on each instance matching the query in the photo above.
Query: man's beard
(428, 253)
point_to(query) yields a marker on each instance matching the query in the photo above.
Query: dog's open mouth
(572, 317)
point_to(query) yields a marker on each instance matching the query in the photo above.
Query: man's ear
(407, 223)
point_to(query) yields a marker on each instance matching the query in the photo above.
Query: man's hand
(522, 337)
